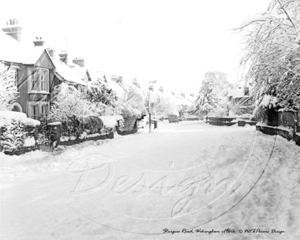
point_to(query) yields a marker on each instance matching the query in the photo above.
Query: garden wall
(285, 123)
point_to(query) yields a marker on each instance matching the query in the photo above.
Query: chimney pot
(38, 42)
(63, 56)
(79, 61)
(12, 29)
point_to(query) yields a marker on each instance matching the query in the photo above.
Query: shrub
(8, 88)
(12, 137)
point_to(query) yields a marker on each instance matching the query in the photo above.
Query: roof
(64, 72)
(33, 54)
(182, 101)
(236, 93)
(81, 72)
(115, 87)
(11, 50)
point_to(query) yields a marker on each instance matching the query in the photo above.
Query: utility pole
(150, 86)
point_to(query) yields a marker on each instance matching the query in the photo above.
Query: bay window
(38, 109)
(39, 81)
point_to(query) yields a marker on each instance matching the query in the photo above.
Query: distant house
(241, 97)
(37, 70)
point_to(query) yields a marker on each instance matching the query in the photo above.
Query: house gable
(87, 76)
(45, 61)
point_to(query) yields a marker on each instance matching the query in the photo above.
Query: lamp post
(150, 86)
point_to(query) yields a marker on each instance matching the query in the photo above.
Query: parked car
(173, 119)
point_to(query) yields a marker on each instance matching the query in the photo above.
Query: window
(39, 80)
(34, 111)
(13, 73)
(17, 107)
(44, 108)
(37, 110)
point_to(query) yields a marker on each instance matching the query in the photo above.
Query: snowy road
(188, 175)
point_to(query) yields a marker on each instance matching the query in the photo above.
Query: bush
(8, 89)
(261, 113)
(12, 137)
(68, 103)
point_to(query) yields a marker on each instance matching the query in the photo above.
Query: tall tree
(215, 86)
(272, 52)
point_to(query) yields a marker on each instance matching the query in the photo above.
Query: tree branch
(288, 16)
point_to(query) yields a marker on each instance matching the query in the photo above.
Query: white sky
(172, 41)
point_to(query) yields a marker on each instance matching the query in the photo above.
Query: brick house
(37, 70)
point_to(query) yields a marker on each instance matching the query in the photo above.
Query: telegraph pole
(150, 86)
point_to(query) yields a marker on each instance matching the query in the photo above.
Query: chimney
(63, 56)
(13, 29)
(79, 61)
(52, 52)
(38, 42)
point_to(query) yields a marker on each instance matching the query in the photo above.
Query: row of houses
(37, 70)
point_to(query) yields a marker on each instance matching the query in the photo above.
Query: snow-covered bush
(131, 102)
(16, 130)
(128, 124)
(8, 88)
(101, 97)
(12, 137)
(68, 102)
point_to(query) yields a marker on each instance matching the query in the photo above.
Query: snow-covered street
(189, 175)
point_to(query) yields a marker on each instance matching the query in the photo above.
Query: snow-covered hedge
(128, 124)
(16, 131)
(87, 126)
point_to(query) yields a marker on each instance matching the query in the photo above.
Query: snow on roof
(236, 93)
(7, 116)
(80, 71)
(11, 50)
(182, 101)
(95, 74)
(115, 87)
(66, 73)
(33, 54)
